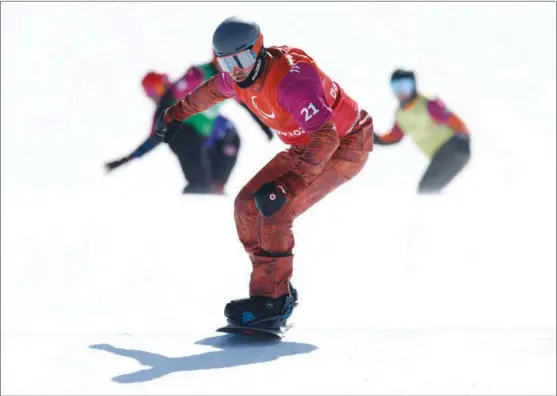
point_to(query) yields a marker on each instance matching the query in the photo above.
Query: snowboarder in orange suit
(330, 138)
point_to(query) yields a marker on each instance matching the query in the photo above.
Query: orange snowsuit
(330, 139)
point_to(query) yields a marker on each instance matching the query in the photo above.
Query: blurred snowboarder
(208, 143)
(438, 132)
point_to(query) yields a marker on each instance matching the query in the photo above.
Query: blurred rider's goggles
(404, 85)
(243, 60)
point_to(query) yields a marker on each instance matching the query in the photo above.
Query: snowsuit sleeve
(213, 91)
(151, 142)
(148, 144)
(395, 135)
(442, 115)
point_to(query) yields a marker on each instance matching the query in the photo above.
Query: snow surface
(114, 284)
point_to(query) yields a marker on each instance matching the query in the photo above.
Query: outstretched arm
(213, 91)
(148, 144)
(394, 136)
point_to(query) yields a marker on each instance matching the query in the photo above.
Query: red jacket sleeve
(213, 91)
(395, 135)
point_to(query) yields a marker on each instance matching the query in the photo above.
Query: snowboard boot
(260, 311)
(293, 293)
(198, 188)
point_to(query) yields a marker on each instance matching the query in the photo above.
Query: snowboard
(252, 331)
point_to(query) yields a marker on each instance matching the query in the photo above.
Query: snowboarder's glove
(272, 196)
(377, 139)
(115, 164)
(162, 133)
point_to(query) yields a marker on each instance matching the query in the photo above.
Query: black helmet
(234, 35)
(399, 74)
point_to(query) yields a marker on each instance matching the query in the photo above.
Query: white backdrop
(90, 258)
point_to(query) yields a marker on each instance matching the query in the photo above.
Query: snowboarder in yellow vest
(439, 133)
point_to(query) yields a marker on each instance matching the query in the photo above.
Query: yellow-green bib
(416, 123)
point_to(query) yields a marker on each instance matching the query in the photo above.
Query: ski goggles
(404, 85)
(243, 60)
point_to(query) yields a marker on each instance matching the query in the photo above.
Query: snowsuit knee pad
(272, 234)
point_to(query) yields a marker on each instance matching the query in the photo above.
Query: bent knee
(244, 205)
(351, 167)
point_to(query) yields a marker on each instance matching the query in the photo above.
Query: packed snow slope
(114, 284)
